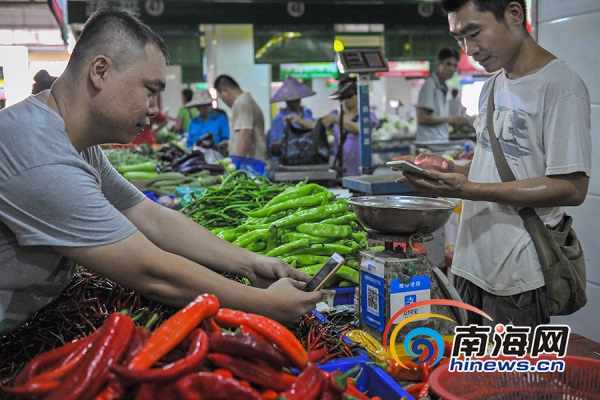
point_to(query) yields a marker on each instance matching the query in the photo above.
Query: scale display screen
(362, 61)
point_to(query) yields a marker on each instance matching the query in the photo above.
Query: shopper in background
(432, 107)
(455, 106)
(291, 91)
(348, 138)
(542, 120)
(157, 122)
(42, 81)
(185, 114)
(208, 120)
(63, 203)
(247, 125)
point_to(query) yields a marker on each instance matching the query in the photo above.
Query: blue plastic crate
(373, 380)
(250, 165)
(343, 295)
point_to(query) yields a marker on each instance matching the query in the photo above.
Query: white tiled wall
(570, 30)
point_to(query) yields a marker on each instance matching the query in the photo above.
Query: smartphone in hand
(405, 166)
(325, 273)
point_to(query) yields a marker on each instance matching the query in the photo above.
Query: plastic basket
(250, 165)
(580, 380)
(373, 380)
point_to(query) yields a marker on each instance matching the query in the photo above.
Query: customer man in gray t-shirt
(432, 107)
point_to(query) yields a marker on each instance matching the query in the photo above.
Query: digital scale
(396, 277)
(363, 62)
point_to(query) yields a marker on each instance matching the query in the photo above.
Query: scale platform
(378, 184)
(297, 173)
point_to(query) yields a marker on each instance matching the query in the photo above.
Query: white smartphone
(405, 166)
(325, 273)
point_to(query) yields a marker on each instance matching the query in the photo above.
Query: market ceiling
(194, 12)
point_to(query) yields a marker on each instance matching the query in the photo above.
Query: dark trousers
(523, 309)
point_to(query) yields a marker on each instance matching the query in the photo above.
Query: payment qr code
(372, 300)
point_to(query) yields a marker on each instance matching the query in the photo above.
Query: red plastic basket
(580, 380)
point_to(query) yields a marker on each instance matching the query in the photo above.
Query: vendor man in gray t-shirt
(432, 107)
(62, 202)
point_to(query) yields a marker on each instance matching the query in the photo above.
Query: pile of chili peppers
(200, 352)
(227, 205)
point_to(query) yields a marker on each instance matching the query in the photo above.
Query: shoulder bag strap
(504, 170)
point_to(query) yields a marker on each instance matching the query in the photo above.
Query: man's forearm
(176, 233)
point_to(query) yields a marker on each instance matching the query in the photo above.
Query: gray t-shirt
(50, 195)
(433, 97)
(542, 121)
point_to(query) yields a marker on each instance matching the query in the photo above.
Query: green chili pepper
(311, 269)
(256, 246)
(325, 249)
(325, 230)
(306, 201)
(348, 274)
(251, 237)
(312, 214)
(228, 234)
(306, 259)
(352, 263)
(294, 192)
(293, 236)
(272, 238)
(341, 220)
(288, 247)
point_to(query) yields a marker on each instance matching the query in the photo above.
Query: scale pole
(364, 120)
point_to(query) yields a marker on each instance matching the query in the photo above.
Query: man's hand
(266, 270)
(287, 303)
(427, 161)
(436, 183)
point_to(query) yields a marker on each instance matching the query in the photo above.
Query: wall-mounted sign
(308, 70)
(407, 69)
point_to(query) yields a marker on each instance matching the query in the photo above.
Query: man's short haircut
(116, 33)
(225, 81)
(496, 7)
(448, 52)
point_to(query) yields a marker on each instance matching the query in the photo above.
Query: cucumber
(140, 175)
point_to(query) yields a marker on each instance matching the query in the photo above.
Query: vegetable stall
(99, 340)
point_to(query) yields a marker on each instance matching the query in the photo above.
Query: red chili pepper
(108, 348)
(424, 371)
(308, 386)
(269, 395)
(170, 372)
(398, 372)
(33, 388)
(115, 389)
(50, 360)
(424, 391)
(253, 372)
(151, 391)
(166, 337)
(248, 345)
(268, 328)
(447, 348)
(223, 372)
(36, 385)
(207, 385)
(317, 355)
(353, 391)
(414, 389)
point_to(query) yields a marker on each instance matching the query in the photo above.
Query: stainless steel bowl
(402, 215)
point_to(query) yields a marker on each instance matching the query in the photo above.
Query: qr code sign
(373, 300)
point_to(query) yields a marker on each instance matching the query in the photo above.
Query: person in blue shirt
(291, 92)
(208, 120)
